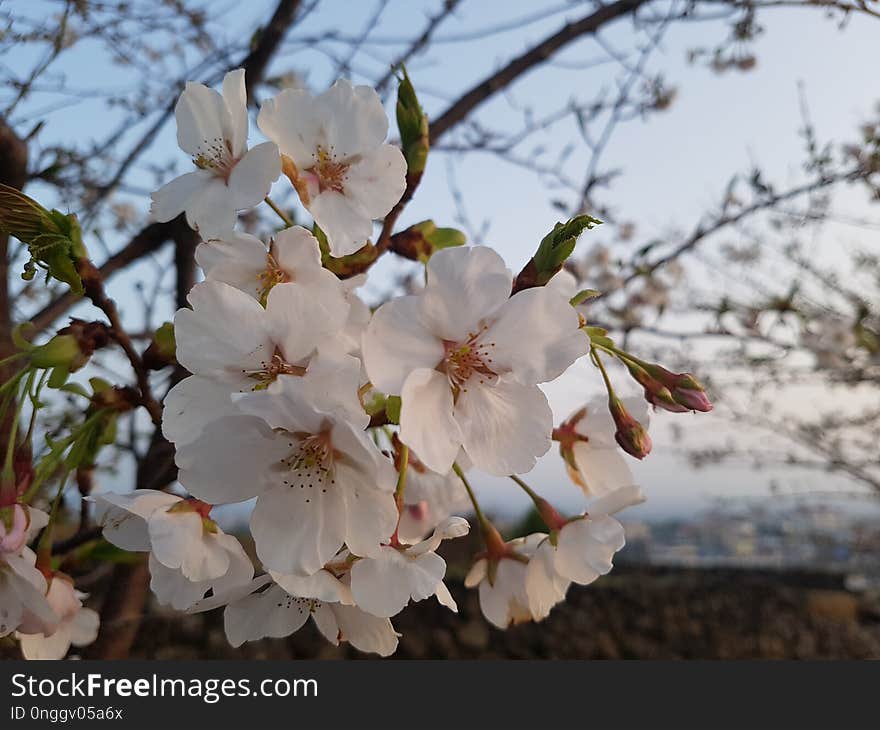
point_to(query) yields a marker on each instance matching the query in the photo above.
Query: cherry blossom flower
(504, 599)
(189, 553)
(213, 129)
(591, 454)
(581, 550)
(77, 625)
(23, 588)
(231, 343)
(319, 481)
(384, 584)
(246, 263)
(336, 158)
(466, 358)
(285, 605)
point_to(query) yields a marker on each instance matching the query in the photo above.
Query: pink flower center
(270, 276)
(216, 155)
(270, 369)
(463, 361)
(309, 465)
(328, 173)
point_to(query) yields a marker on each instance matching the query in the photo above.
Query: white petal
(238, 262)
(536, 336)
(585, 548)
(397, 342)
(326, 622)
(544, 586)
(202, 119)
(223, 334)
(235, 99)
(370, 513)
(37, 647)
(563, 283)
(427, 423)
(272, 613)
(356, 121)
(377, 181)
(84, 627)
(172, 588)
(478, 572)
(344, 221)
(227, 463)
(222, 598)
(323, 586)
(299, 318)
(211, 210)
(299, 527)
(382, 585)
(292, 120)
(179, 542)
(505, 602)
(465, 286)
(297, 252)
(174, 197)
(444, 597)
(365, 632)
(124, 516)
(192, 404)
(252, 176)
(367, 464)
(505, 427)
(616, 501)
(602, 469)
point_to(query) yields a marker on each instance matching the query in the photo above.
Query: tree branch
(535, 56)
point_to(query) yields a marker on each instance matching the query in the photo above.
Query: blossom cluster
(349, 432)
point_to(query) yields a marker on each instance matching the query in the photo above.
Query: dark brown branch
(147, 241)
(535, 56)
(269, 39)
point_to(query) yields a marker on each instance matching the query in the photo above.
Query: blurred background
(732, 149)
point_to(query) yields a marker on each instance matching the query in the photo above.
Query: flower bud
(686, 390)
(552, 253)
(412, 123)
(14, 524)
(162, 350)
(421, 240)
(631, 436)
(656, 393)
(691, 394)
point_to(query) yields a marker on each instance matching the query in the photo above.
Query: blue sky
(675, 165)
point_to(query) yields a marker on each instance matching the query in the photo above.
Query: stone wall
(642, 613)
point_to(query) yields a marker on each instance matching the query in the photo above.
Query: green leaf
(583, 296)
(76, 389)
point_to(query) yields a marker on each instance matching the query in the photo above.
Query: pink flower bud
(13, 528)
(685, 389)
(631, 436)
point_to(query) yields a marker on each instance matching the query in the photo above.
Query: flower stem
(525, 487)
(548, 513)
(278, 211)
(481, 518)
(594, 355)
(401, 475)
